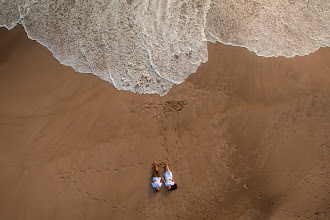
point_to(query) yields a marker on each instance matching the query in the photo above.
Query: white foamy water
(148, 46)
(271, 28)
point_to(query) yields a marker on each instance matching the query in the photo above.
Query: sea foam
(271, 28)
(148, 46)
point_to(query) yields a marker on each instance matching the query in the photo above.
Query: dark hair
(174, 187)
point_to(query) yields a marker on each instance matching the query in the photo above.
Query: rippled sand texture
(141, 46)
(247, 137)
(148, 46)
(271, 28)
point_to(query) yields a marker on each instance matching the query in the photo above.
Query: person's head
(157, 189)
(173, 187)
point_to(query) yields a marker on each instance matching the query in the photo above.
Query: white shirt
(168, 176)
(157, 183)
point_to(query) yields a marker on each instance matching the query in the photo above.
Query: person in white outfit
(169, 181)
(156, 179)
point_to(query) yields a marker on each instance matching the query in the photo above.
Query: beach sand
(247, 137)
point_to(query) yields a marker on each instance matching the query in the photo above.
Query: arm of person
(172, 180)
(162, 180)
(154, 181)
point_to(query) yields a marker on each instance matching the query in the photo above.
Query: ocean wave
(148, 46)
(270, 29)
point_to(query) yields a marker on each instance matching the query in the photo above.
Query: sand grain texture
(247, 137)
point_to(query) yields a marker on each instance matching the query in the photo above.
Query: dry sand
(247, 137)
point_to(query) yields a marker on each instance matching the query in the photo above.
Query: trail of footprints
(70, 178)
(163, 112)
(162, 108)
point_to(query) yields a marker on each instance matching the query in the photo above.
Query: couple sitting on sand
(157, 180)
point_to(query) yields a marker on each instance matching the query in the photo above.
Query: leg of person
(156, 169)
(167, 167)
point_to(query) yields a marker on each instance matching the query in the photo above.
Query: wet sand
(246, 137)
